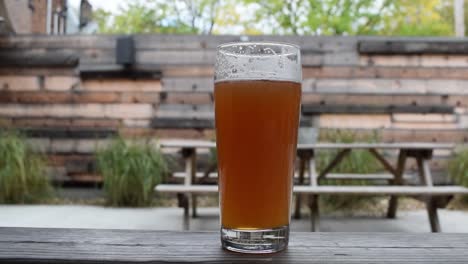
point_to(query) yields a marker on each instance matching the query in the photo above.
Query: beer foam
(258, 61)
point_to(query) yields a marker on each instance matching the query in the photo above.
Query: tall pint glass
(257, 101)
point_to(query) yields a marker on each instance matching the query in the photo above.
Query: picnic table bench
(56, 246)
(434, 196)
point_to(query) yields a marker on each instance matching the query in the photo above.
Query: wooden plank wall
(44, 93)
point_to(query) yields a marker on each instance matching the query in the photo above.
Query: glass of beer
(257, 104)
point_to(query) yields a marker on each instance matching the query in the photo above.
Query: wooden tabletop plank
(361, 190)
(382, 190)
(186, 143)
(406, 145)
(416, 145)
(38, 245)
(335, 176)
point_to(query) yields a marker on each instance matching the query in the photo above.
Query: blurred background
(89, 88)
(211, 17)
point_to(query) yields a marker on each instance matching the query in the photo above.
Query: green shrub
(458, 169)
(212, 163)
(131, 170)
(358, 161)
(22, 173)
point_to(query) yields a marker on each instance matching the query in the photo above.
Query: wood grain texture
(414, 145)
(415, 46)
(333, 86)
(180, 143)
(38, 58)
(372, 72)
(158, 50)
(397, 86)
(324, 189)
(181, 123)
(315, 109)
(313, 44)
(335, 176)
(33, 245)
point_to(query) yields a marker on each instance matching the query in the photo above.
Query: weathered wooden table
(33, 245)
(433, 196)
(422, 152)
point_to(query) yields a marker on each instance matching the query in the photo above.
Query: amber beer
(257, 99)
(256, 126)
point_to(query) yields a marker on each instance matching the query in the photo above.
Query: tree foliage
(160, 16)
(417, 17)
(446, 11)
(296, 17)
(324, 17)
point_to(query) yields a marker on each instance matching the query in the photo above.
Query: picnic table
(434, 196)
(41, 245)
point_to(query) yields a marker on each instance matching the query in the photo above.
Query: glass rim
(246, 43)
(253, 60)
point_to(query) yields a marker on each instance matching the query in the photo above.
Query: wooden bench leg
(398, 180)
(314, 213)
(183, 202)
(190, 156)
(297, 209)
(425, 177)
(392, 207)
(186, 223)
(194, 205)
(433, 215)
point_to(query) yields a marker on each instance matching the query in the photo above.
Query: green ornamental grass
(458, 169)
(23, 176)
(358, 161)
(131, 170)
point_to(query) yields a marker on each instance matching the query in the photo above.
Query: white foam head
(258, 61)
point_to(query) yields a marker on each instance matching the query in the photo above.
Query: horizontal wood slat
(77, 110)
(119, 93)
(204, 111)
(69, 133)
(334, 176)
(386, 86)
(177, 143)
(69, 123)
(171, 42)
(354, 190)
(200, 50)
(197, 84)
(363, 86)
(415, 61)
(338, 72)
(429, 118)
(39, 58)
(315, 109)
(39, 245)
(389, 72)
(182, 123)
(413, 46)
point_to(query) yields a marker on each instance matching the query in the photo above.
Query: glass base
(255, 241)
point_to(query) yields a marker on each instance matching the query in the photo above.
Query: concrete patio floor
(79, 216)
